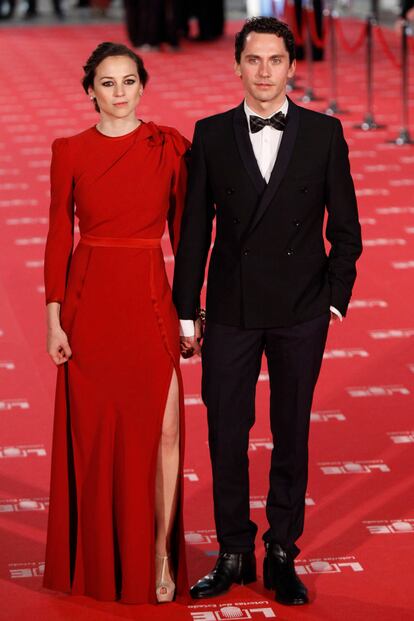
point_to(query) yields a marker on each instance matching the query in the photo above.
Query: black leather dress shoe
(230, 568)
(279, 574)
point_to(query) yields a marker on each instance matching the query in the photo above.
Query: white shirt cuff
(336, 312)
(187, 327)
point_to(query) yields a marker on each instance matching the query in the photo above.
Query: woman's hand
(58, 346)
(190, 345)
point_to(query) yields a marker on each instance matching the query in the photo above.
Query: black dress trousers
(231, 359)
(210, 18)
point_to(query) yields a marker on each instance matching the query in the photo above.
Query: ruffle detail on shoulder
(172, 136)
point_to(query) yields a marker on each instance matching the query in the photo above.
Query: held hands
(334, 318)
(190, 345)
(58, 346)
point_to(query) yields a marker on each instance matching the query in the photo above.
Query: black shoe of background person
(279, 574)
(229, 569)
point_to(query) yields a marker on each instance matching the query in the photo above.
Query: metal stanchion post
(290, 18)
(369, 122)
(293, 85)
(404, 135)
(309, 94)
(333, 103)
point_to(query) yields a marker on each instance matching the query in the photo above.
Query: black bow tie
(277, 121)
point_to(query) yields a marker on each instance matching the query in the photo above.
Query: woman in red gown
(115, 525)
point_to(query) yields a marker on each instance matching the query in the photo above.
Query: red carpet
(358, 547)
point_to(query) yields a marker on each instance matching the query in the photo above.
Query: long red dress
(117, 311)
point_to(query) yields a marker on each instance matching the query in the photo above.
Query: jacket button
(290, 252)
(296, 223)
(304, 189)
(236, 221)
(230, 191)
(246, 251)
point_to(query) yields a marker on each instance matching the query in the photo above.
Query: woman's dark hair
(265, 25)
(103, 51)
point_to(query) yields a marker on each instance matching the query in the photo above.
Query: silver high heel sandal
(165, 589)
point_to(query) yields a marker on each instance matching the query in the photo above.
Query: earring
(91, 97)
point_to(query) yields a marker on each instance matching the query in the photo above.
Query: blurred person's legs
(152, 22)
(317, 15)
(32, 8)
(141, 21)
(183, 15)
(100, 6)
(7, 9)
(210, 18)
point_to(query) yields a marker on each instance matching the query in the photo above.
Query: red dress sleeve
(180, 148)
(59, 242)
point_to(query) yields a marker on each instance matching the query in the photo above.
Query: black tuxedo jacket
(268, 267)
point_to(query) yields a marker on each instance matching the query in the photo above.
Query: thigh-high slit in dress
(117, 310)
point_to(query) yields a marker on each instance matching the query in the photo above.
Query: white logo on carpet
(395, 211)
(402, 437)
(14, 404)
(258, 444)
(191, 475)
(401, 333)
(23, 450)
(30, 241)
(259, 502)
(34, 263)
(330, 565)
(201, 537)
(26, 220)
(193, 400)
(236, 611)
(19, 202)
(332, 354)
(377, 391)
(8, 365)
(326, 416)
(368, 304)
(26, 570)
(353, 467)
(402, 265)
(390, 527)
(383, 241)
(13, 505)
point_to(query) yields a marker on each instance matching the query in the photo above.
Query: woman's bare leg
(167, 479)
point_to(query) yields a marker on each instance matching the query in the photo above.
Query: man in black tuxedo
(267, 170)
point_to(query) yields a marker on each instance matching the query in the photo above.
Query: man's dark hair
(265, 25)
(110, 49)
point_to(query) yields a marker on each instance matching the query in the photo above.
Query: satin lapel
(241, 132)
(283, 158)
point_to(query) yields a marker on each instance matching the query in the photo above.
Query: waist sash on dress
(120, 242)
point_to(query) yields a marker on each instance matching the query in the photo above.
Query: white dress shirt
(265, 143)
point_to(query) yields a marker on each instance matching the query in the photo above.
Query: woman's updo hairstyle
(103, 51)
